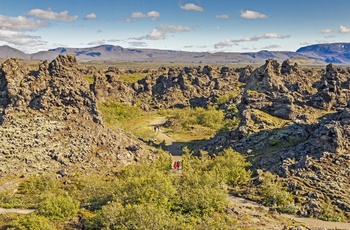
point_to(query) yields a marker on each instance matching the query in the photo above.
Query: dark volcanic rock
(51, 123)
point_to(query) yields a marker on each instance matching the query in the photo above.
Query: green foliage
(55, 206)
(144, 195)
(232, 166)
(330, 213)
(39, 185)
(89, 78)
(93, 191)
(10, 200)
(200, 194)
(148, 196)
(226, 98)
(31, 222)
(274, 193)
(132, 216)
(194, 123)
(132, 77)
(115, 112)
(144, 184)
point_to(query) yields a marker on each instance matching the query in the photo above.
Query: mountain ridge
(338, 53)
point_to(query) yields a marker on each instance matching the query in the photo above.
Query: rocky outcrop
(170, 87)
(50, 123)
(333, 89)
(279, 131)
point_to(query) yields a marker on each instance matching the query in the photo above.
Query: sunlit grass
(132, 77)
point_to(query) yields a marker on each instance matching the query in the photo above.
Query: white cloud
(249, 14)
(113, 40)
(172, 28)
(155, 34)
(153, 15)
(344, 30)
(161, 32)
(137, 15)
(12, 31)
(271, 47)
(20, 23)
(20, 39)
(97, 43)
(192, 47)
(50, 15)
(327, 31)
(191, 6)
(138, 44)
(223, 16)
(234, 42)
(90, 16)
(226, 43)
(249, 48)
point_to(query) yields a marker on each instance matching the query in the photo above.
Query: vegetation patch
(132, 77)
(139, 196)
(89, 78)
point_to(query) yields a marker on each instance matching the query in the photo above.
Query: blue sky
(194, 25)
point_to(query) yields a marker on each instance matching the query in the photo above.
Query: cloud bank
(50, 15)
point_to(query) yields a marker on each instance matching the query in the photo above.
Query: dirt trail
(15, 210)
(310, 222)
(173, 147)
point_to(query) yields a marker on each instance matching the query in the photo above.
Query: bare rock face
(50, 122)
(333, 89)
(169, 87)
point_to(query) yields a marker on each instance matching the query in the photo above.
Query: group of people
(177, 165)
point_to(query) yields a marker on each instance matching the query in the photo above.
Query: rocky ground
(50, 123)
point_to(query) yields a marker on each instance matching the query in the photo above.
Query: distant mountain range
(338, 53)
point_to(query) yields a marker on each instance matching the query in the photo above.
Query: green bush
(144, 183)
(10, 200)
(31, 222)
(273, 192)
(187, 117)
(226, 98)
(330, 213)
(55, 206)
(115, 112)
(93, 191)
(232, 166)
(132, 216)
(39, 185)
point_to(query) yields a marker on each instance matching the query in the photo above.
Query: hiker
(178, 165)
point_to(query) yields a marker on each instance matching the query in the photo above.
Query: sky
(188, 25)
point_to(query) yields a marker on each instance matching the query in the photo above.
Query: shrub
(273, 192)
(330, 214)
(10, 200)
(132, 216)
(55, 206)
(144, 183)
(232, 166)
(39, 185)
(115, 112)
(31, 222)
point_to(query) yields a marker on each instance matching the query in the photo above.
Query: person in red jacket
(176, 166)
